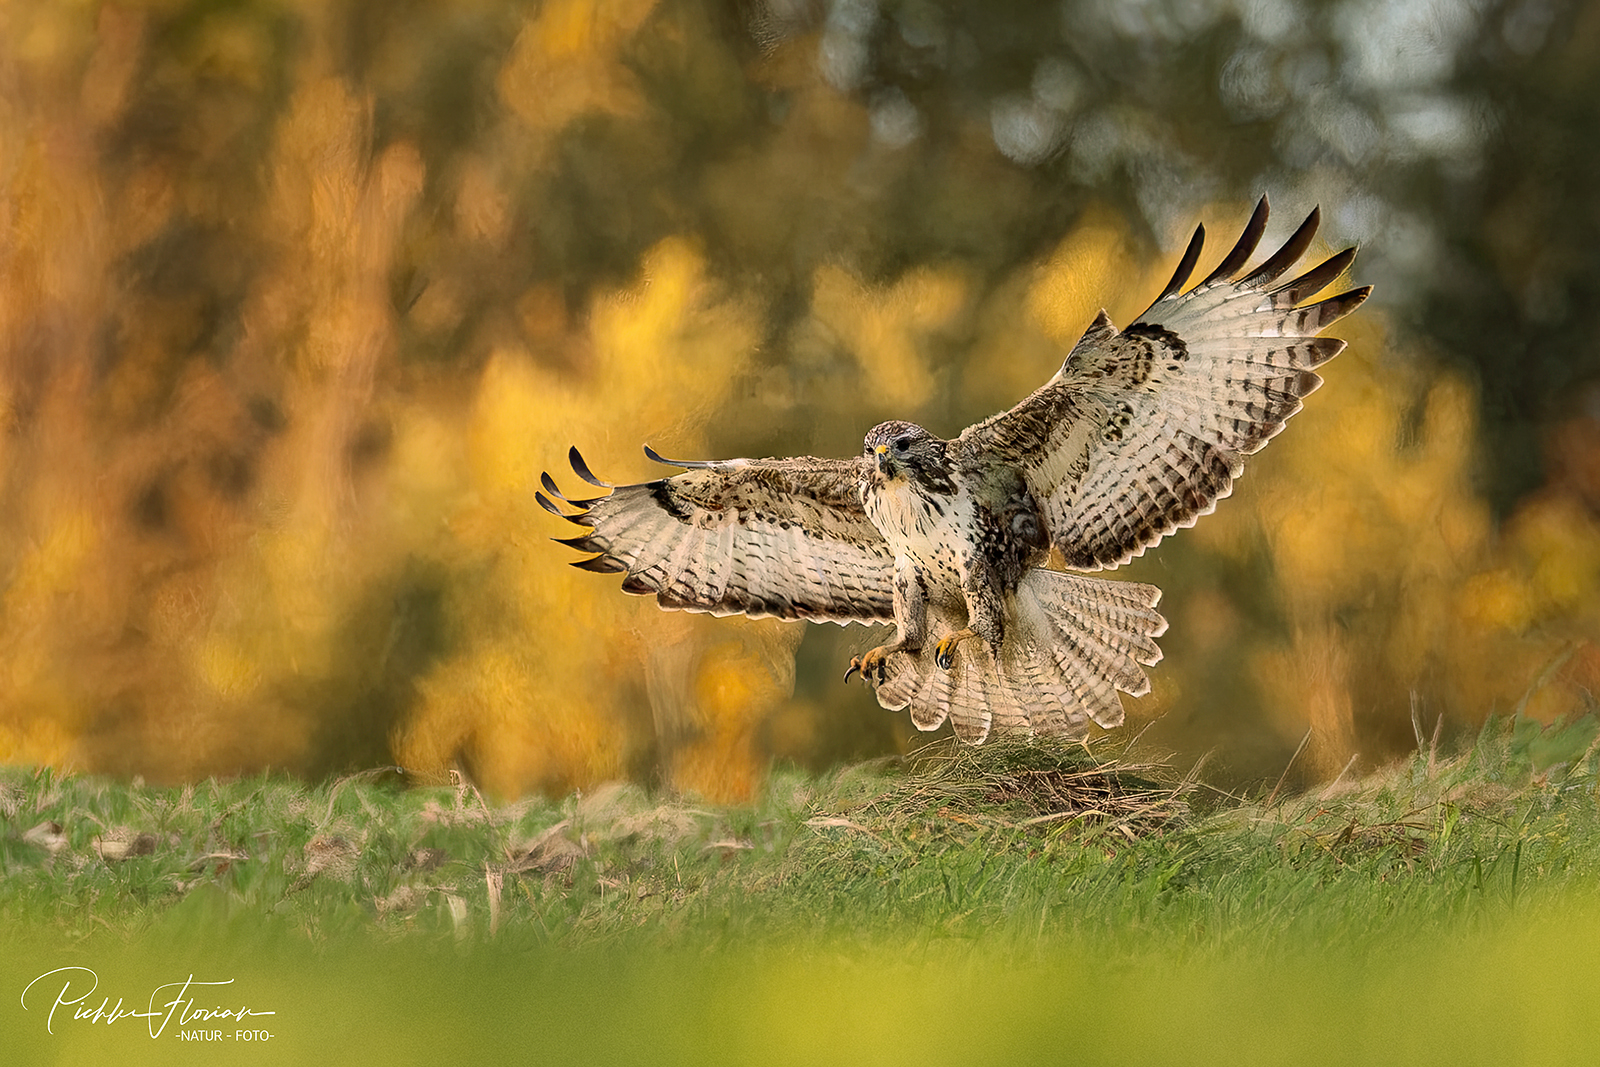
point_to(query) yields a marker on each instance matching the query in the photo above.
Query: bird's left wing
(785, 538)
(1142, 430)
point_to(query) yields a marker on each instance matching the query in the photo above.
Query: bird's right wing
(783, 538)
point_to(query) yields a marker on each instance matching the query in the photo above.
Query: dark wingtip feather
(1289, 254)
(601, 565)
(1314, 280)
(576, 459)
(656, 457)
(1337, 307)
(635, 585)
(687, 464)
(1235, 260)
(1191, 256)
(550, 506)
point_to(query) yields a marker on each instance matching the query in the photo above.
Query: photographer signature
(72, 987)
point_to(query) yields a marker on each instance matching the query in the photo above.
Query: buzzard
(956, 542)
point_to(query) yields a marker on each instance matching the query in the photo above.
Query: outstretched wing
(1143, 430)
(786, 538)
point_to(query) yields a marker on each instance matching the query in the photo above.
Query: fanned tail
(1071, 643)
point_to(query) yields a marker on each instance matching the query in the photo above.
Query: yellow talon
(944, 653)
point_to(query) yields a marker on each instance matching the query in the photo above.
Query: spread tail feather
(1071, 643)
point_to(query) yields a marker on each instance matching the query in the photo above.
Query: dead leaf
(122, 843)
(47, 835)
(549, 853)
(728, 846)
(330, 855)
(495, 880)
(404, 898)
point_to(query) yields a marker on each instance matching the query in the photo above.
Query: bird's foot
(944, 653)
(872, 664)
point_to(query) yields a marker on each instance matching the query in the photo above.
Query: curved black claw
(874, 669)
(872, 665)
(944, 653)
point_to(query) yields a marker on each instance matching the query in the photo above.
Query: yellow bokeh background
(273, 507)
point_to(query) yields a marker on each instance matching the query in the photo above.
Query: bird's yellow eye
(881, 449)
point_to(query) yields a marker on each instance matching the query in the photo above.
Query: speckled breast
(933, 531)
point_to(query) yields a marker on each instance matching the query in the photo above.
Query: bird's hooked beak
(884, 460)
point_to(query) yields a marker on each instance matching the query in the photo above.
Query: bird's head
(906, 450)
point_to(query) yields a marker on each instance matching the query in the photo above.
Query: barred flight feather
(766, 538)
(1073, 642)
(1168, 434)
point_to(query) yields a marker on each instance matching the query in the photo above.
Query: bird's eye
(901, 444)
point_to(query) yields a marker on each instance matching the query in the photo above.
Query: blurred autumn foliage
(297, 301)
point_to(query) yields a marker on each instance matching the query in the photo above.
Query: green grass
(1000, 905)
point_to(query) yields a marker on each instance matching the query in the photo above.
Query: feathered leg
(910, 624)
(985, 613)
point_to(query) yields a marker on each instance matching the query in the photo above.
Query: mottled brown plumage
(1139, 433)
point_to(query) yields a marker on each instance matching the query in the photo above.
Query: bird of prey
(956, 542)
